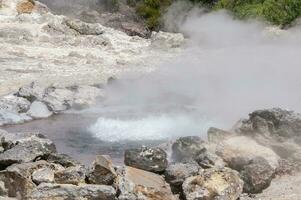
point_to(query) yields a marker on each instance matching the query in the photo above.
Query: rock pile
(228, 167)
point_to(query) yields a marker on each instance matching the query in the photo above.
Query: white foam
(148, 128)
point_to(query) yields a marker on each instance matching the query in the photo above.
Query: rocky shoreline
(236, 164)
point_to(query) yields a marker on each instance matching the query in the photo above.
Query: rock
(47, 191)
(14, 104)
(257, 175)
(213, 184)
(149, 159)
(102, 171)
(62, 159)
(25, 6)
(186, 148)
(26, 150)
(9, 118)
(167, 40)
(134, 29)
(58, 99)
(176, 173)
(43, 175)
(208, 159)
(240, 150)
(71, 175)
(87, 96)
(137, 184)
(84, 28)
(39, 110)
(216, 135)
(31, 92)
(17, 178)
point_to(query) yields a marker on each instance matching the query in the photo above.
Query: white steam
(228, 69)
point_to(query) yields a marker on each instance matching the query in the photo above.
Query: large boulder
(137, 184)
(43, 175)
(176, 173)
(71, 175)
(39, 110)
(46, 191)
(216, 135)
(214, 184)
(84, 28)
(257, 175)
(14, 104)
(186, 148)
(62, 159)
(167, 40)
(149, 159)
(102, 171)
(24, 149)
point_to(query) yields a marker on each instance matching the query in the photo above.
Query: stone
(167, 40)
(257, 175)
(135, 29)
(39, 110)
(240, 150)
(31, 92)
(186, 148)
(43, 175)
(14, 104)
(17, 178)
(102, 171)
(176, 173)
(84, 28)
(87, 96)
(213, 183)
(58, 99)
(25, 6)
(207, 159)
(216, 135)
(62, 159)
(26, 150)
(10, 118)
(137, 184)
(46, 191)
(71, 175)
(149, 159)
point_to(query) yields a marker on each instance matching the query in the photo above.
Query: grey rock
(43, 175)
(102, 171)
(46, 191)
(257, 175)
(39, 110)
(31, 92)
(9, 118)
(71, 175)
(84, 28)
(176, 173)
(149, 159)
(14, 104)
(216, 135)
(207, 159)
(26, 150)
(186, 148)
(217, 184)
(62, 159)
(58, 99)
(136, 184)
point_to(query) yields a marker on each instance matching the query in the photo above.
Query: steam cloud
(228, 69)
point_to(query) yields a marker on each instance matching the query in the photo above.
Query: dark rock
(102, 171)
(208, 159)
(46, 191)
(213, 184)
(176, 173)
(186, 148)
(149, 159)
(257, 175)
(63, 159)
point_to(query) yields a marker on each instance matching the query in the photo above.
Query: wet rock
(62, 159)
(26, 150)
(8, 118)
(240, 150)
(186, 148)
(43, 175)
(47, 191)
(84, 28)
(176, 173)
(257, 175)
(149, 159)
(102, 171)
(137, 184)
(39, 110)
(213, 184)
(216, 135)
(167, 40)
(71, 175)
